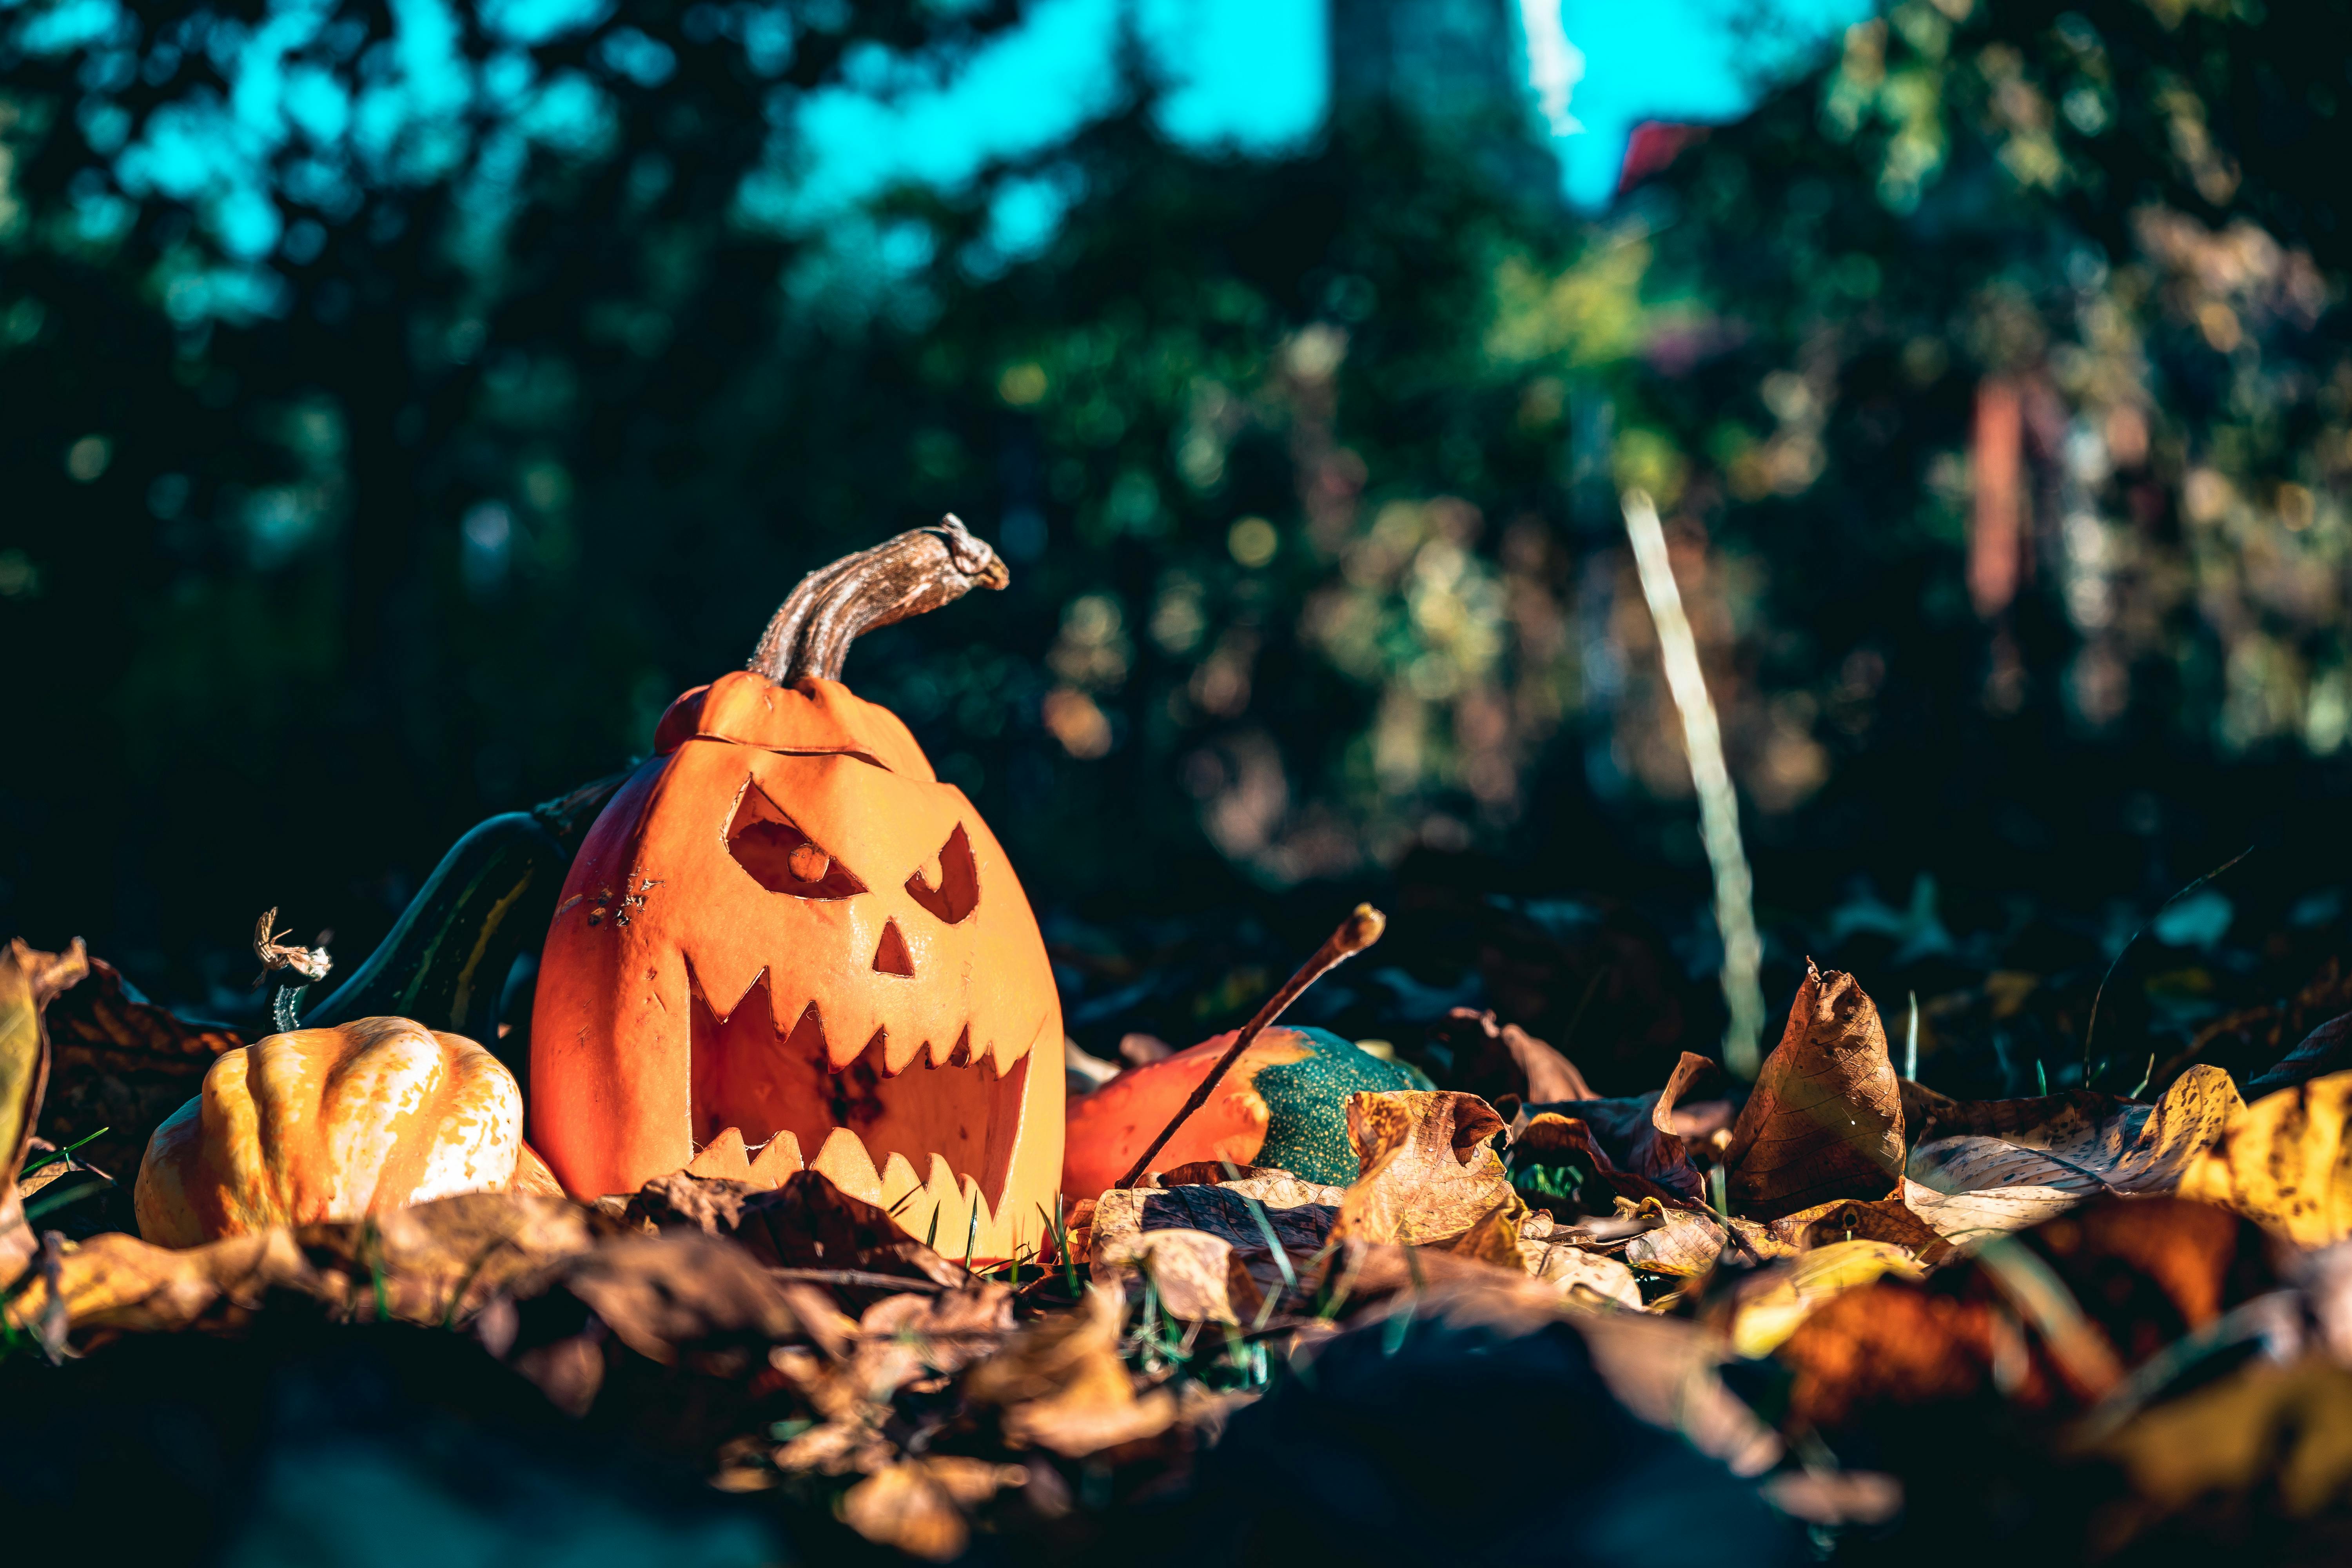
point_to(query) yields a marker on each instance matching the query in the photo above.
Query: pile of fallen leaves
(1834, 1311)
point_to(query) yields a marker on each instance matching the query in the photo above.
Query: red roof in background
(1654, 144)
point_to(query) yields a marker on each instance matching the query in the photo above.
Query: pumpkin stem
(287, 971)
(920, 569)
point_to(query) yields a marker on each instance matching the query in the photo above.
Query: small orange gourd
(320, 1124)
(786, 928)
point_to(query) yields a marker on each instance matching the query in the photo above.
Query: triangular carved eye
(958, 893)
(780, 856)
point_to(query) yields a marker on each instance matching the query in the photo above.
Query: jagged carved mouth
(932, 1142)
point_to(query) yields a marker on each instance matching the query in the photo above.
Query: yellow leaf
(2285, 1162)
(1767, 1317)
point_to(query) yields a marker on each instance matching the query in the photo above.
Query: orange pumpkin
(320, 1124)
(1284, 1104)
(785, 927)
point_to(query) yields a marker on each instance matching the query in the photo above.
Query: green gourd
(445, 963)
(1307, 1105)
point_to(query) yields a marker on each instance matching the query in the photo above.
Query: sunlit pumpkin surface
(784, 924)
(1283, 1104)
(320, 1124)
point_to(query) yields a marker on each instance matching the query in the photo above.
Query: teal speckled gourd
(1307, 1105)
(1284, 1105)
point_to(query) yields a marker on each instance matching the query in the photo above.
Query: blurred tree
(314, 320)
(400, 411)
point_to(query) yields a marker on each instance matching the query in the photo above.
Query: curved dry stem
(920, 570)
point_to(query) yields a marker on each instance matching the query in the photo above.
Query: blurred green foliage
(418, 495)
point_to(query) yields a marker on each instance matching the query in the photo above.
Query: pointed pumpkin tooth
(724, 1158)
(845, 1162)
(807, 1040)
(1005, 1050)
(724, 980)
(895, 1054)
(899, 1182)
(939, 1180)
(940, 1198)
(780, 1159)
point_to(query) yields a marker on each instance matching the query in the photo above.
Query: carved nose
(890, 955)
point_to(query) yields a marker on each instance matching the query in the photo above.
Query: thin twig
(860, 1278)
(1718, 807)
(1358, 932)
(2091, 1025)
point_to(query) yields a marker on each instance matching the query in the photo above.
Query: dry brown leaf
(1582, 1275)
(1199, 1276)
(1535, 1071)
(435, 1263)
(2284, 1162)
(906, 1338)
(28, 980)
(122, 1064)
(902, 1507)
(1060, 1384)
(1689, 1242)
(2025, 1160)
(1621, 1136)
(1691, 1121)
(1895, 1344)
(2273, 1437)
(533, 1176)
(917, 1505)
(1430, 1178)
(1855, 1220)
(1825, 1119)
(658, 1293)
(1300, 1213)
(1549, 1075)
(1770, 1306)
(2326, 1049)
(1966, 1219)
(1216, 1266)
(807, 1223)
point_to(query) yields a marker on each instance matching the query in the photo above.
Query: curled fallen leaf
(1890, 1345)
(2268, 1442)
(28, 980)
(1771, 1306)
(1825, 1119)
(1060, 1385)
(2284, 1162)
(432, 1263)
(1484, 1421)
(806, 1223)
(1430, 1176)
(1858, 1219)
(1209, 1246)
(2326, 1049)
(2018, 1162)
(1493, 1059)
(1198, 1277)
(917, 1505)
(120, 1066)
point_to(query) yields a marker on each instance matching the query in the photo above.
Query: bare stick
(1718, 809)
(1357, 933)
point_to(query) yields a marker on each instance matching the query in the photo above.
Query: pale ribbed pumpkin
(320, 1124)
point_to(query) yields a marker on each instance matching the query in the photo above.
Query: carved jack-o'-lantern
(784, 924)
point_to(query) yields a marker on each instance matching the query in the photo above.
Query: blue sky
(1252, 72)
